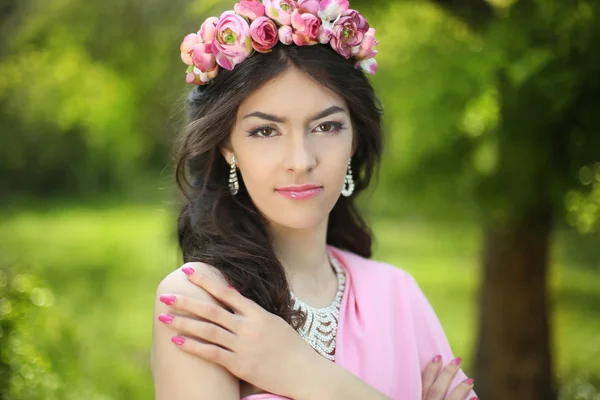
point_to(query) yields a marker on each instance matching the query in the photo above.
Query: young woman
(278, 297)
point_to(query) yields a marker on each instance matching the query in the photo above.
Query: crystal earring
(348, 182)
(234, 186)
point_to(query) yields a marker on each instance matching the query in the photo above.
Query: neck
(303, 254)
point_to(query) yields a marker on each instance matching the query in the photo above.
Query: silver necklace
(320, 328)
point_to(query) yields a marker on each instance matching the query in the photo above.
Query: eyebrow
(328, 111)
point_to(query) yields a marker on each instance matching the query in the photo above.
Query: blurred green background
(491, 110)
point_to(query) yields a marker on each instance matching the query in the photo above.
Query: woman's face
(292, 131)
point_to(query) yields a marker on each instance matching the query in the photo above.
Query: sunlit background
(489, 193)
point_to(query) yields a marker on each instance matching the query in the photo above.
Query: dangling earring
(349, 182)
(234, 186)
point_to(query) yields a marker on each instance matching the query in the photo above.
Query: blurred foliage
(583, 206)
(98, 273)
(37, 343)
(86, 93)
(460, 98)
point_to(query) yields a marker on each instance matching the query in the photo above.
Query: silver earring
(234, 185)
(348, 182)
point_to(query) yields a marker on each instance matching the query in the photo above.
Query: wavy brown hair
(228, 232)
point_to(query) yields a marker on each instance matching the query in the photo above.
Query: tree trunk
(513, 354)
(513, 358)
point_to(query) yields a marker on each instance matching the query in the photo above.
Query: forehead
(291, 93)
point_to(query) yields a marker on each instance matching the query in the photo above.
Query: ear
(227, 153)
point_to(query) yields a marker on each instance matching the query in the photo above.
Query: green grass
(103, 264)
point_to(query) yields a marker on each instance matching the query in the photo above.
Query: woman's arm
(330, 381)
(179, 375)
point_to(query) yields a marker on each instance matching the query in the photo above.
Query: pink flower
(203, 58)
(280, 10)
(187, 46)
(369, 65)
(286, 35)
(306, 28)
(232, 43)
(366, 49)
(264, 34)
(208, 30)
(329, 12)
(251, 9)
(309, 6)
(348, 32)
(324, 34)
(197, 77)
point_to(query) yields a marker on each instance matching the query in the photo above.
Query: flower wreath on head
(253, 25)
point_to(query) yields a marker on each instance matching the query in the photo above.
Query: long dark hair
(228, 232)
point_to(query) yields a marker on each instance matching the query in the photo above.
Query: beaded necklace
(320, 328)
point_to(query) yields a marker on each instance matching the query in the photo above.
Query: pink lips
(300, 192)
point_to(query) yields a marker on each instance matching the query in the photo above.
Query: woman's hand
(435, 386)
(248, 341)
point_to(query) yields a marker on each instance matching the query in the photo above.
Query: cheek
(257, 176)
(336, 162)
(336, 168)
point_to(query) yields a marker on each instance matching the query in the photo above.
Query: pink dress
(387, 331)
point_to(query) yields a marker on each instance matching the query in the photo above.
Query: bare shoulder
(177, 283)
(177, 374)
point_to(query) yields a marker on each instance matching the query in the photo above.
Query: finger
(442, 383)
(461, 391)
(225, 294)
(208, 311)
(429, 374)
(200, 329)
(206, 351)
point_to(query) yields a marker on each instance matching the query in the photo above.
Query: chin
(298, 219)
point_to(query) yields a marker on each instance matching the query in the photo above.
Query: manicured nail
(188, 270)
(468, 381)
(474, 398)
(166, 318)
(178, 340)
(168, 299)
(456, 361)
(437, 359)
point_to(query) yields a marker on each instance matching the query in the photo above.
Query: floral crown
(252, 26)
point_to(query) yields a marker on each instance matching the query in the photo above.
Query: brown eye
(326, 127)
(330, 127)
(262, 132)
(265, 131)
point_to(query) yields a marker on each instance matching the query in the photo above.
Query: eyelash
(337, 126)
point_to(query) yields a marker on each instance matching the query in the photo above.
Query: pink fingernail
(468, 381)
(166, 318)
(437, 359)
(456, 361)
(188, 270)
(474, 398)
(178, 340)
(168, 299)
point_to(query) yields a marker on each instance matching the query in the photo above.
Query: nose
(300, 154)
